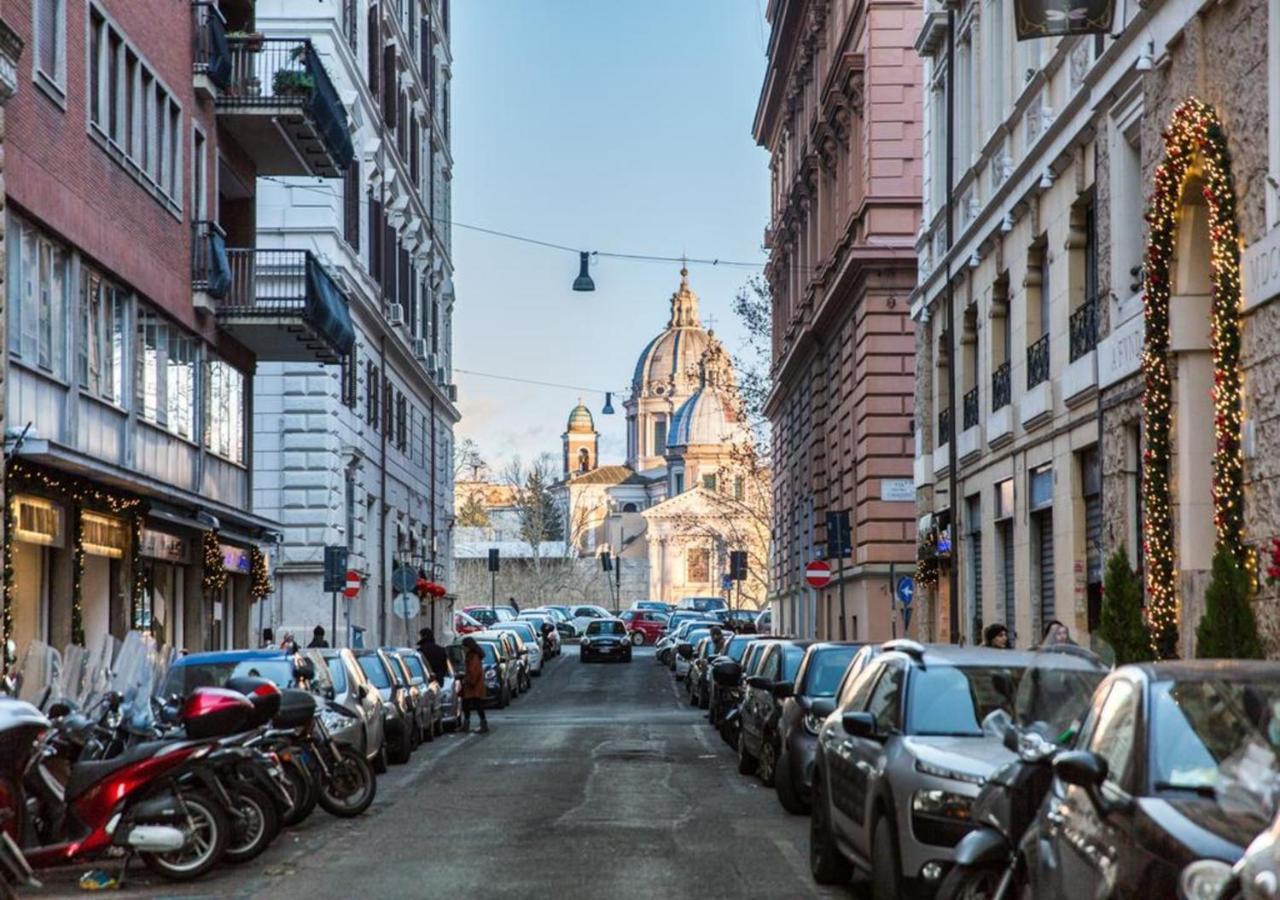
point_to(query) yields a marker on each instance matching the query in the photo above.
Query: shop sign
(37, 521)
(1120, 352)
(236, 559)
(897, 490)
(162, 545)
(103, 536)
(1261, 270)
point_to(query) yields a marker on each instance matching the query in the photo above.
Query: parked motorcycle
(1052, 696)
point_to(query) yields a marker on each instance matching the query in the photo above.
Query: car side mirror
(783, 689)
(685, 650)
(726, 674)
(1087, 771)
(759, 682)
(362, 691)
(822, 707)
(860, 725)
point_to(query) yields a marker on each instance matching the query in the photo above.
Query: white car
(532, 642)
(585, 615)
(537, 619)
(691, 638)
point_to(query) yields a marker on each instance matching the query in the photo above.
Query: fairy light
(77, 579)
(215, 575)
(1195, 133)
(260, 583)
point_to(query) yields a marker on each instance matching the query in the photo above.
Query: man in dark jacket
(435, 655)
(317, 637)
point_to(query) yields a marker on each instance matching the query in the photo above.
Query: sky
(610, 125)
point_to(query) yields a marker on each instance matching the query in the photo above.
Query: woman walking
(473, 692)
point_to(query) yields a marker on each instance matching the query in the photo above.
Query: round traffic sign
(906, 589)
(817, 573)
(353, 584)
(406, 605)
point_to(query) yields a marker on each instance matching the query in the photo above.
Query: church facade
(689, 492)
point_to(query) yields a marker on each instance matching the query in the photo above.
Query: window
(225, 411)
(39, 279)
(49, 62)
(709, 482)
(371, 394)
(199, 178)
(402, 420)
(660, 435)
(132, 115)
(166, 379)
(1115, 731)
(739, 488)
(102, 337)
(351, 206)
(697, 565)
(679, 483)
(885, 704)
(348, 374)
(349, 504)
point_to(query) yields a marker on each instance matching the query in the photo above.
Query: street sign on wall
(905, 589)
(817, 573)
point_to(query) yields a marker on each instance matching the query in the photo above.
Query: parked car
(488, 615)
(644, 626)
(530, 642)
(654, 606)
(683, 658)
(352, 691)
(514, 650)
(421, 679)
(1158, 778)
(704, 651)
(732, 680)
(703, 604)
(466, 624)
(397, 706)
(717, 698)
(561, 619)
(605, 639)
(764, 622)
(586, 614)
(899, 764)
(450, 695)
(666, 646)
(759, 743)
(499, 671)
(825, 668)
(545, 627)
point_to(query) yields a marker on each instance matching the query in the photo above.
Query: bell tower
(581, 442)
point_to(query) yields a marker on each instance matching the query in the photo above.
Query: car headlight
(812, 723)
(1203, 879)
(951, 774)
(491, 677)
(941, 803)
(335, 720)
(585, 641)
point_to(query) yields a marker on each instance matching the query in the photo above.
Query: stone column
(10, 51)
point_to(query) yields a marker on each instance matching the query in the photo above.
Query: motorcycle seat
(84, 775)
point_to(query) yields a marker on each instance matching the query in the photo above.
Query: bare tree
(467, 461)
(538, 512)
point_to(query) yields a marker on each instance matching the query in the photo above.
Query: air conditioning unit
(430, 360)
(440, 375)
(452, 391)
(420, 348)
(395, 314)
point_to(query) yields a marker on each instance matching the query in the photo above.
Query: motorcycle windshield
(39, 678)
(133, 678)
(87, 671)
(1055, 691)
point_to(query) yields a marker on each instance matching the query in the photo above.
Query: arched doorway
(1192, 304)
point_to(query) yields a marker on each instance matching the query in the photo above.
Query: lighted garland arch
(1195, 135)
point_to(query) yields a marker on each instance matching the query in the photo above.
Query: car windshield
(1208, 735)
(737, 648)
(696, 634)
(482, 615)
(375, 671)
(606, 628)
(184, 679)
(490, 652)
(1055, 692)
(826, 668)
(953, 700)
(414, 665)
(792, 654)
(525, 630)
(338, 672)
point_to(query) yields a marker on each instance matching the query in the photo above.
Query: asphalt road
(601, 782)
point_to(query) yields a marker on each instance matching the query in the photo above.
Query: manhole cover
(637, 755)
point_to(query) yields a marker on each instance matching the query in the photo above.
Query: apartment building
(1033, 447)
(138, 305)
(358, 453)
(840, 114)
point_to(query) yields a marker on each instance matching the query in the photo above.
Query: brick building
(138, 306)
(10, 54)
(840, 115)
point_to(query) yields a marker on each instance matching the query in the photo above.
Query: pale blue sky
(612, 125)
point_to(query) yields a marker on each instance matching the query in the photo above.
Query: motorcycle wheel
(257, 827)
(211, 830)
(302, 790)
(351, 787)
(970, 882)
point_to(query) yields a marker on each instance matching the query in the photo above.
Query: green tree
(1228, 629)
(1121, 623)
(473, 514)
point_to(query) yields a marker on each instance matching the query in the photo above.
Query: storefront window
(38, 283)
(224, 430)
(101, 348)
(166, 375)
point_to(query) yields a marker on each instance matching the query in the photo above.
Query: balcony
(1084, 329)
(971, 408)
(281, 304)
(1038, 362)
(1000, 387)
(944, 427)
(276, 100)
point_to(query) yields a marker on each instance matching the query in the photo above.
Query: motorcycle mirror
(59, 710)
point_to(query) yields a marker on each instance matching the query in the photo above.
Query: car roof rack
(914, 649)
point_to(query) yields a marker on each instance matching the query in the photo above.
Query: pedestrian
(317, 637)
(996, 635)
(287, 642)
(717, 639)
(435, 655)
(473, 692)
(268, 639)
(1055, 633)
(514, 605)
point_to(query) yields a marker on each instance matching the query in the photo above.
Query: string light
(77, 579)
(215, 575)
(1195, 133)
(260, 582)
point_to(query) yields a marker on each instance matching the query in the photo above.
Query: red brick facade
(840, 114)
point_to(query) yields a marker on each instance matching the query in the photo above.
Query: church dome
(668, 364)
(708, 417)
(580, 420)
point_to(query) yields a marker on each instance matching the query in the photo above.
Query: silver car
(349, 688)
(901, 759)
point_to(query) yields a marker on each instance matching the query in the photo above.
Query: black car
(730, 680)
(1159, 778)
(824, 670)
(497, 674)
(697, 682)
(717, 699)
(761, 707)
(605, 639)
(398, 707)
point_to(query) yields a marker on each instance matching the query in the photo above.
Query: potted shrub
(292, 82)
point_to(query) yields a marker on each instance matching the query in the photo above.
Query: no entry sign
(817, 573)
(353, 584)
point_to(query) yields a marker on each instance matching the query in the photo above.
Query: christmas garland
(77, 578)
(1195, 135)
(215, 575)
(260, 584)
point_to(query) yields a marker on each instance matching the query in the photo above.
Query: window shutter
(390, 93)
(375, 48)
(388, 261)
(375, 240)
(351, 206)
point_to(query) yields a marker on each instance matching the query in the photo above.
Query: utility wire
(551, 384)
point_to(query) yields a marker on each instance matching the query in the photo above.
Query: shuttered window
(1044, 543)
(375, 240)
(351, 206)
(973, 518)
(389, 90)
(1006, 560)
(373, 64)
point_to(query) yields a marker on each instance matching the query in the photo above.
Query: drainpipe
(953, 480)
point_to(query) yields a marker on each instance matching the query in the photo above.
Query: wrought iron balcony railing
(944, 427)
(210, 269)
(213, 53)
(971, 408)
(1001, 393)
(1084, 329)
(1038, 362)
